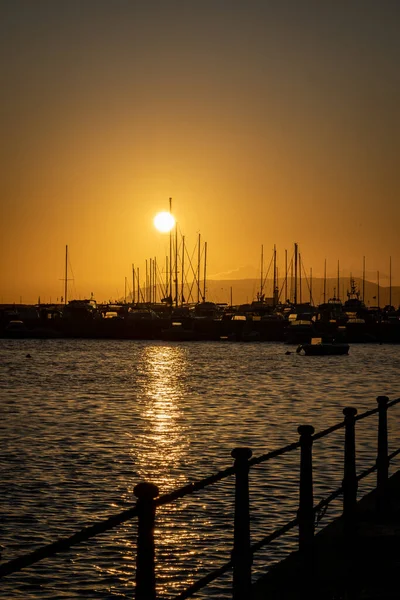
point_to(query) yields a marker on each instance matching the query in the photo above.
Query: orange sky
(267, 123)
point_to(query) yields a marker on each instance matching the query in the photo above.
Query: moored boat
(318, 347)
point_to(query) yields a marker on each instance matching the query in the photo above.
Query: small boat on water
(318, 347)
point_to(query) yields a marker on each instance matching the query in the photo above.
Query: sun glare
(164, 222)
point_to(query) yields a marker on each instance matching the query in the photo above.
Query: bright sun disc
(164, 222)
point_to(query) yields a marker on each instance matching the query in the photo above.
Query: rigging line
(162, 285)
(286, 278)
(269, 267)
(305, 275)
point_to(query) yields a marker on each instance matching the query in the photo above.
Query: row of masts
(294, 272)
(168, 288)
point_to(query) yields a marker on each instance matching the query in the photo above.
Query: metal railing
(148, 500)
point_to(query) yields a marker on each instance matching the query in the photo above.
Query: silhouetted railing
(243, 551)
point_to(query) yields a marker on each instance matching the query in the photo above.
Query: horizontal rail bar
(64, 544)
(325, 432)
(273, 454)
(200, 583)
(194, 487)
(393, 402)
(366, 414)
(365, 473)
(395, 453)
(274, 535)
(328, 499)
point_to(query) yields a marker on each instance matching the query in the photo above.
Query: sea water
(82, 422)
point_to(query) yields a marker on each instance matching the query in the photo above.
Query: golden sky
(266, 122)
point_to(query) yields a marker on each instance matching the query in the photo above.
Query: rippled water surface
(82, 422)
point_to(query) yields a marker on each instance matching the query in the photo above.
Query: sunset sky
(266, 122)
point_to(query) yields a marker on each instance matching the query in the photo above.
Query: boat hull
(324, 349)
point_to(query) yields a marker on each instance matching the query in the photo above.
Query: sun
(164, 222)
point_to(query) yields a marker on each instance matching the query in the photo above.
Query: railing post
(382, 462)
(349, 483)
(241, 554)
(306, 502)
(145, 570)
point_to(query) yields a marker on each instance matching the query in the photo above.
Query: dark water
(82, 422)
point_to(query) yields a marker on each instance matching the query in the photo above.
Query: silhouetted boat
(317, 347)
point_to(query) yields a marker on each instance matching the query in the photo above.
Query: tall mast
(198, 272)
(166, 276)
(311, 301)
(151, 280)
(133, 283)
(66, 275)
(338, 280)
(390, 281)
(205, 271)
(363, 280)
(261, 271)
(170, 252)
(378, 288)
(286, 277)
(300, 290)
(325, 281)
(291, 280)
(155, 280)
(295, 274)
(146, 293)
(274, 292)
(176, 264)
(183, 271)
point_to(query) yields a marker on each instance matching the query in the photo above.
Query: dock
(366, 567)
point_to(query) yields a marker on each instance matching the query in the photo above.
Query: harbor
(207, 321)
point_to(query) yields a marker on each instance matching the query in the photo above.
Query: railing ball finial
(305, 430)
(241, 453)
(382, 401)
(349, 411)
(146, 490)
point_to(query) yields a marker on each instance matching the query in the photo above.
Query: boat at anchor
(318, 347)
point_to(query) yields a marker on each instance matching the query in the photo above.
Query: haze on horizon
(267, 123)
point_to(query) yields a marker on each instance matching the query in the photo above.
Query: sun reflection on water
(161, 446)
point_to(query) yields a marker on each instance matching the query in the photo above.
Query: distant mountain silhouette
(245, 290)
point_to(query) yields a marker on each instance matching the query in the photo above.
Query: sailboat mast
(198, 271)
(146, 293)
(176, 264)
(286, 277)
(205, 271)
(66, 275)
(170, 252)
(338, 280)
(295, 274)
(261, 271)
(363, 281)
(390, 281)
(133, 284)
(301, 298)
(274, 292)
(155, 280)
(378, 288)
(183, 271)
(325, 281)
